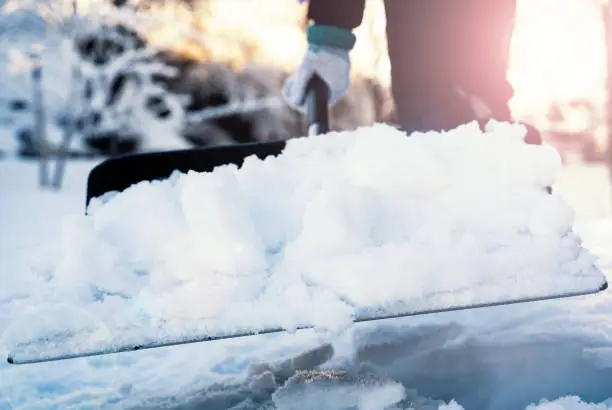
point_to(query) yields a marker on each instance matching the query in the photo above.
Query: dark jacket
(436, 47)
(347, 14)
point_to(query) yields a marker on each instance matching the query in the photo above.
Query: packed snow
(337, 228)
(543, 355)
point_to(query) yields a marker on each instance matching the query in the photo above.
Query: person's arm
(333, 22)
(346, 14)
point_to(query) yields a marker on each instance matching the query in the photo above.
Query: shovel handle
(317, 111)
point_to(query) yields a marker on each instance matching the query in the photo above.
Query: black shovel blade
(119, 173)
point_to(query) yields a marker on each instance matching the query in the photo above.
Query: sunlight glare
(558, 52)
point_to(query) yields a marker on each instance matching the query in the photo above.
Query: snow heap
(338, 226)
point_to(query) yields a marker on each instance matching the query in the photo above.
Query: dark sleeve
(347, 14)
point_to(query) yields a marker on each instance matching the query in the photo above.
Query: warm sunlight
(558, 50)
(558, 53)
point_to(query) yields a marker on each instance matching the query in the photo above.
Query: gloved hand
(328, 56)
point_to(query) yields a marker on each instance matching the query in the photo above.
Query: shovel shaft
(317, 111)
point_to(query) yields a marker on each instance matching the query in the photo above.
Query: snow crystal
(570, 403)
(337, 390)
(451, 406)
(338, 226)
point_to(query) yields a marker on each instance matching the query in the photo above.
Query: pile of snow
(499, 358)
(338, 226)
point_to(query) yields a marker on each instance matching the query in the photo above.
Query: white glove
(332, 64)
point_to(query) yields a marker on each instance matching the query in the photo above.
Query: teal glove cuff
(329, 36)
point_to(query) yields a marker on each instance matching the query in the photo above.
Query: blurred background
(95, 78)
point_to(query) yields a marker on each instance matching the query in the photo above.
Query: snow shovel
(119, 173)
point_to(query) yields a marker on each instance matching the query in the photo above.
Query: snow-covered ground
(512, 357)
